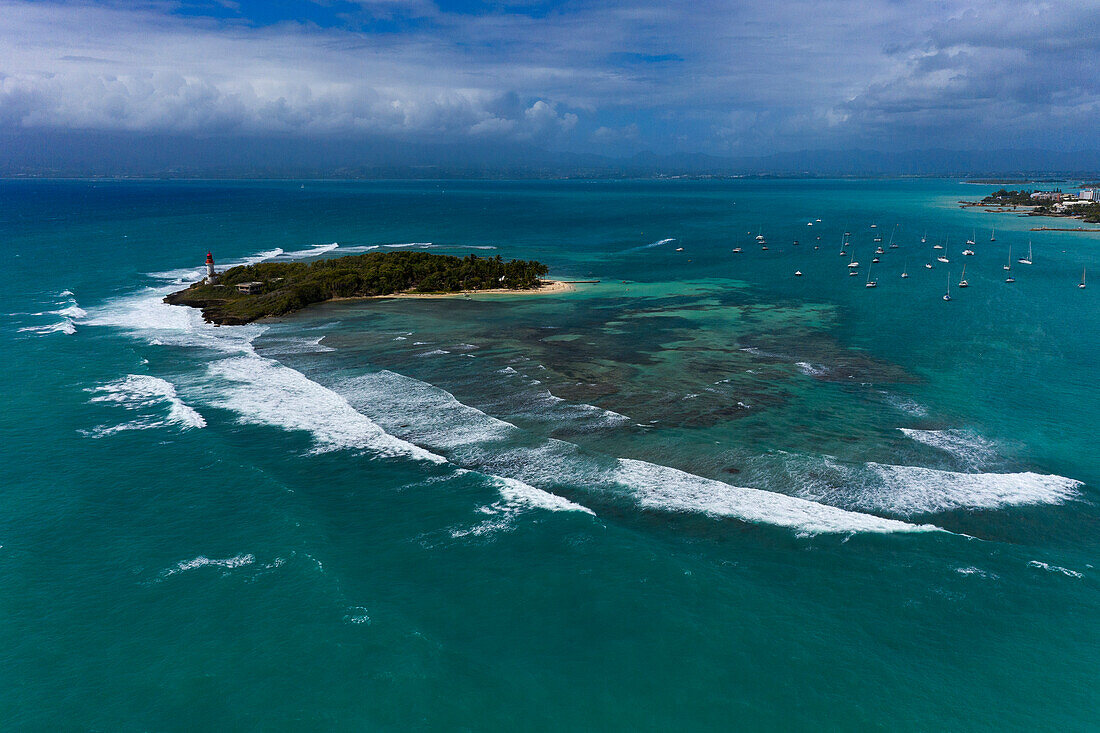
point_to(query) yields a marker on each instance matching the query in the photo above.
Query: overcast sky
(725, 78)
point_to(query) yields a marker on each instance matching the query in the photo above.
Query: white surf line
(258, 389)
(432, 417)
(915, 490)
(264, 392)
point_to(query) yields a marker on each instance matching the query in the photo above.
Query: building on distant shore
(1089, 194)
(1048, 195)
(249, 288)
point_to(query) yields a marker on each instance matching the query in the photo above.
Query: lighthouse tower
(210, 274)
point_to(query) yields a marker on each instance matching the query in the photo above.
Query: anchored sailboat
(1082, 283)
(947, 295)
(962, 278)
(1026, 260)
(905, 270)
(943, 257)
(871, 283)
(1008, 266)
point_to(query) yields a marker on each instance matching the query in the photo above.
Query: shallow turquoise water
(679, 498)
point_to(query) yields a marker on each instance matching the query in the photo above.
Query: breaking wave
(913, 490)
(432, 417)
(144, 392)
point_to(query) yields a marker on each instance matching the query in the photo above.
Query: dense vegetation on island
(288, 286)
(1004, 197)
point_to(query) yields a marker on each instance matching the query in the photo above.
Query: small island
(246, 293)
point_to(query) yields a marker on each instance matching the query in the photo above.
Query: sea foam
(972, 448)
(143, 392)
(915, 490)
(432, 417)
(265, 392)
(258, 389)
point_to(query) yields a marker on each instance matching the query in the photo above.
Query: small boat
(937, 246)
(947, 295)
(853, 273)
(1008, 265)
(972, 237)
(942, 258)
(878, 239)
(738, 250)
(798, 273)
(763, 247)
(905, 270)
(809, 223)
(993, 234)
(880, 251)
(870, 283)
(874, 259)
(924, 238)
(1082, 283)
(796, 243)
(679, 249)
(847, 234)
(892, 233)
(853, 264)
(818, 220)
(968, 252)
(1026, 260)
(962, 278)
(874, 226)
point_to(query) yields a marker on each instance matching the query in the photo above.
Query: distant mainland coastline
(1023, 202)
(248, 293)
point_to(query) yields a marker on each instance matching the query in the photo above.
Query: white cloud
(709, 75)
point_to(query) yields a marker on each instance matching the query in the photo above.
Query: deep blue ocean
(703, 493)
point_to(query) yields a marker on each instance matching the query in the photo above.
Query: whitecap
(141, 391)
(811, 370)
(228, 563)
(313, 251)
(65, 326)
(915, 490)
(1055, 569)
(967, 445)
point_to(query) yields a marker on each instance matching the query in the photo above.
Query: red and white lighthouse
(210, 274)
